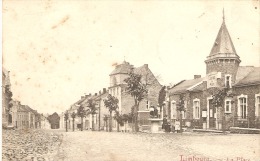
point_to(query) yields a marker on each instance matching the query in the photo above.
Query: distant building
(241, 106)
(54, 120)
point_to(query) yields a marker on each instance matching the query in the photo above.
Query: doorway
(211, 115)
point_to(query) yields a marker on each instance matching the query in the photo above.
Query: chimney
(99, 92)
(95, 94)
(146, 65)
(89, 94)
(104, 90)
(197, 76)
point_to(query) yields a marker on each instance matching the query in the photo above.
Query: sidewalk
(207, 130)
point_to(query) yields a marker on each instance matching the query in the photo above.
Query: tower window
(228, 81)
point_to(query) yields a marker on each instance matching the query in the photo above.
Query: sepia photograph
(147, 80)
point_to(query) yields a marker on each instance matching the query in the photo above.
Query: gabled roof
(252, 78)
(185, 85)
(29, 109)
(22, 108)
(242, 72)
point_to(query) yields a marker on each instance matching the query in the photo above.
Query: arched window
(196, 108)
(228, 81)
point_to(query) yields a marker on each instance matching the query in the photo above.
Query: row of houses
(14, 114)
(24, 116)
(240, 108)
(116, 88)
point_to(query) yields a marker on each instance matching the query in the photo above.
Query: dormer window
(228, 81)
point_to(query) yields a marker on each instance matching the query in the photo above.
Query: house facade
(240, 107)
(118, 86)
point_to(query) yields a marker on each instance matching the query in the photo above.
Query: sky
(58, 50)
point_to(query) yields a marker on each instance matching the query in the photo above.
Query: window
(196, 108)
(257, 105)
(228, 81)
(183, 114)
(173, 110)
(228, 106)
(242, 107)
(147, 104)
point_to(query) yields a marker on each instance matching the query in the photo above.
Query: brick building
(117, 88)
(241, 105)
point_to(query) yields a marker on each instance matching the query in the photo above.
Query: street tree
(138, 91)
(106, 117)
(181, 108)
(112, 104)
(218, 100)
(73, 115)
(81, 112)
(126, 118)
(92, 109)
(119, 119)
(66, 117)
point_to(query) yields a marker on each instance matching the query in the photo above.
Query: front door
(212, 114)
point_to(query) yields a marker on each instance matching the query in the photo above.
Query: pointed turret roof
(223, 45)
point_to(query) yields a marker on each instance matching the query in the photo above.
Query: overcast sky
(59, 50)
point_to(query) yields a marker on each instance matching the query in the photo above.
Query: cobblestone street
(31, 145)
(104, 146)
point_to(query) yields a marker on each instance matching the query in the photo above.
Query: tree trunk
(93, 126)
(136, 116)
(73, 124)
(110, 121)
(181, 123)
(106, 126)
(66, 126)
(118, 127)
(81, 123)
(125, 125)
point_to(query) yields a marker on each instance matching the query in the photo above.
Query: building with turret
(241, 105)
